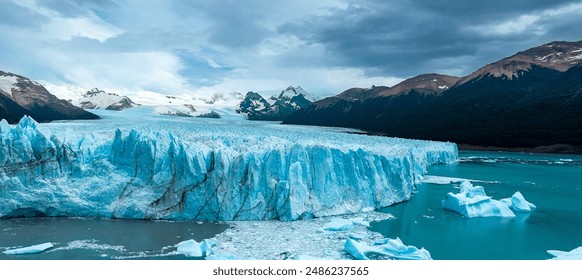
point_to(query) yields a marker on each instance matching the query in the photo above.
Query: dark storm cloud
(406, 38)
(236, 24)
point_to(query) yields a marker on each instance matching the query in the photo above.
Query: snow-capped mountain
(559, 56)
(98, 99)
(21, 96)
(529, 100)
(275, 108)
(178, 110)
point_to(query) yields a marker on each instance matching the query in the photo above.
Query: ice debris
(339, 224)
(360, 221)
(30, 249)
(192, 248)
(472, 201)
(385, 249)
(518, 203)
(575, 254)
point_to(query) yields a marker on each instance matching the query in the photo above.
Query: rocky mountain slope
(21, 96)
(527, 100)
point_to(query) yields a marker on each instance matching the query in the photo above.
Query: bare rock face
(21, 96)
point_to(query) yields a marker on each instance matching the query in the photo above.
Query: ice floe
(518, 203)
(575, 254)
(34, 249)
(192, 248)
(385, 248)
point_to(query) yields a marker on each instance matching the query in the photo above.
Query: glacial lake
(101, 239)
(552, 182)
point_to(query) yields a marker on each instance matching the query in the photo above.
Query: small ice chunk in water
(192, 248)
(518, 203)
(338, 224)
(393, 248)
(30, 249)
(575, 254)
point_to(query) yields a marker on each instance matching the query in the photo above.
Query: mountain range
(531, 99)
(20, 96)
(98, 99)
(274, 108)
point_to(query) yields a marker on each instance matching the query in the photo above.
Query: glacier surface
(163, 168)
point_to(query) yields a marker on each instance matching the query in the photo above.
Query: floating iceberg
(391, 248)
(30, 249)
(518, 203)
(192, 248)
(472, 201)
(575, 254)
(177, 170)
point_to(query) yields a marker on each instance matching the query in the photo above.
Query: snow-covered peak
(95, 92)
(99, 99)
(291, 92)
(7, 83)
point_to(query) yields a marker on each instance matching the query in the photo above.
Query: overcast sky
(203, 47)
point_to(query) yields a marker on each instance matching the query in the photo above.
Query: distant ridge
(530, 99)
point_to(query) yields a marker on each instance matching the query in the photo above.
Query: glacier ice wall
(204, 173)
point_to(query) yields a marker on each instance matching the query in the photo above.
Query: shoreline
(550, 149)
(546, 149)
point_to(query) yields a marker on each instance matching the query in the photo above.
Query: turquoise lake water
(552, 182)
(101, 239)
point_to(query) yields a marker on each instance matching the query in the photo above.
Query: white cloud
(65, 28)
(278, 45)
(88, 27)
(319, 82)
(213, 63)
(156, 71)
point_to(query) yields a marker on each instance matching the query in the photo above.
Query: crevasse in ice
(203, 173)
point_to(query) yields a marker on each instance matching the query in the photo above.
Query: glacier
(165, 168)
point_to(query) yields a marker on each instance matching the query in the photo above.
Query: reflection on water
(555, 188)
(101, 238)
